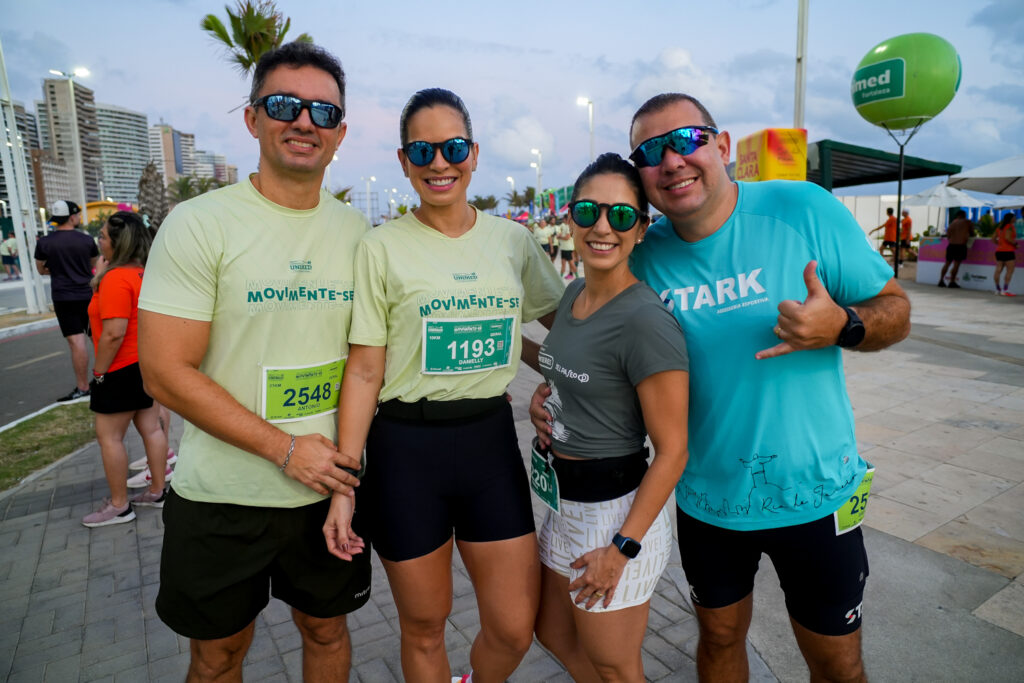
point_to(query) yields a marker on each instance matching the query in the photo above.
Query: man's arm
(170, 351)
(41, 267)
(817, 321)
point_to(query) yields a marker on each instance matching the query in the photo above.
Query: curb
(46, 470)
(16, 330)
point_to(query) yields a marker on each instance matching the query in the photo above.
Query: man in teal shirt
(769, 282)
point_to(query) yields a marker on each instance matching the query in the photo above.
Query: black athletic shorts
(822, 574)
(1006, 255)
(956, 252)
(546, 248)
(221, 563)
(426, 479)
(120, 392)
(567, 253)
(72, 316)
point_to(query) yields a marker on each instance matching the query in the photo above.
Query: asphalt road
(35, 369)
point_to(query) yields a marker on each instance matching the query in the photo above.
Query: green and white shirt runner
(449, 310)
(276, 286)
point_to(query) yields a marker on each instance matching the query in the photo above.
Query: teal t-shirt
(771, 441)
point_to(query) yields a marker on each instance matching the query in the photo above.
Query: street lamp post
(371, 179)
(4, 205)
(76, 141)
(539, 165)
(589, 104)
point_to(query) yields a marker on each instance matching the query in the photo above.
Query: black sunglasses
(683, 140)
(454, 151)
(621, 217)
(288, 108)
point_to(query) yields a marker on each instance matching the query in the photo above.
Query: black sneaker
(941, 283)
(76, 393)
(953, 285)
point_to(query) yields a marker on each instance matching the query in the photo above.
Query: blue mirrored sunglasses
(683, 141)
(288, 107)
(454, 151)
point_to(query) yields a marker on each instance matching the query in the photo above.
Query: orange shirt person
(906, 235)
(889, 241)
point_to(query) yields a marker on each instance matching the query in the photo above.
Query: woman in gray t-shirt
(615, 362)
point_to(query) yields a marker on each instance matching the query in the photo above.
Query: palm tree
(487, 203)
(514, 199)
(152, 195)
(344, 195)
(256, 27)
(182, 188)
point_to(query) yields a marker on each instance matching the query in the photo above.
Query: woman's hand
(603, 570)
(539, 416)
(341, 541)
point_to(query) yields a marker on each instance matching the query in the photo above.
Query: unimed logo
(878, 82)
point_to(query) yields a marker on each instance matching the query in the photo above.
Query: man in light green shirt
(245, 309)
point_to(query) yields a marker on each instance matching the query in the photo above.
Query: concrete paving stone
(161, 643)
(942, 370)
(43, 643)
(369, 614)
(938, 441)
(374, 632)
(65, 669)
(58, 590)
(654, 670)
(667, 653)
(894, 421)
(455, 639)
(893, 467)
(458, 659)
(374, 671)
(674, 613)
(545, 669)
(1004, 446)
(34, 675)
(679, 632)
(276, 612)
(972, 487)
(1010, 469)
(1002, 515)
(1004, 609)
(977, 546)
(138, 673)
(46, 577)
(15, 609)
(874, 435)
(128, 624)
(940, 502)
(259, 669)
(262, 645)
(931, 407)
(468, 619)
(69, 616)
(98, 632)
(169, 669)
(102, 652)
(32, 660)
(900, 520)
(293, 663)
(113, 662)
(37, 625)
(286, 639)
(1012, 402)
(9, 539)
(381, 649)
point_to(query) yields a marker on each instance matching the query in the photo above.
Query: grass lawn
(36, 443)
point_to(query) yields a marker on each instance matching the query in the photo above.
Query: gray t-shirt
(593, 367)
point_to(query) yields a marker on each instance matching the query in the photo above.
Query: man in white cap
(68, 256)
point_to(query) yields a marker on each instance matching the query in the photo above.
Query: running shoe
(953, 285)
(108, 514)
(143, 480)
(1008, 293)
(76, 393)
(142, 463)
(149, 499)
(941, 283)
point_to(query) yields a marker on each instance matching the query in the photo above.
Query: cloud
(512, 145)
(1009, 94)
(1004, 19)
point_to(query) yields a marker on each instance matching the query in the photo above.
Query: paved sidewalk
(941, 415)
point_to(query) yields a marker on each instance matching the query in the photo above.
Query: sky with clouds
(520, 67)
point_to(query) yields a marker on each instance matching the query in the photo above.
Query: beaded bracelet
(291, 449)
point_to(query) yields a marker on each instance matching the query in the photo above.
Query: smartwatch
(853, 331)
(626, 545)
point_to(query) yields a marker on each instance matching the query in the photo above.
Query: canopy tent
(834, 164)
(1011, 202)
(1000, 177)
(943, 196)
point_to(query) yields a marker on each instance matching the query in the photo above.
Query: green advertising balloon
(906, 80)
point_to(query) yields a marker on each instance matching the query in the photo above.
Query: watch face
(627, 546)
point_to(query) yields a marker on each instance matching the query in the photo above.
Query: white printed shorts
(582, 527)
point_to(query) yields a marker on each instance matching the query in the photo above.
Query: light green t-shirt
(543, 235)
(565, 242)
(9, 247)
(276, 284)
(461, 300)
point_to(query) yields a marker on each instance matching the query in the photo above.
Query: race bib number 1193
(466, 345)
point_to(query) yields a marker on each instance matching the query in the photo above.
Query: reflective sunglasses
(288, 108)
(454, 151)
(683, 140)
(621, 217)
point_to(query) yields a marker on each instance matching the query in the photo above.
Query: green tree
(488, 203)
(344, 195)
(152, 195)
(514, 200)
(256, 27)
(528, 195)
(182, 188)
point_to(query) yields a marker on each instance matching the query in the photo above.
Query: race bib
(301, 392)
(466, 344)
(544, 480)
(851, 514)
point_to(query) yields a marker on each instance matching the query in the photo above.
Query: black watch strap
(626, 545)
(853, 331)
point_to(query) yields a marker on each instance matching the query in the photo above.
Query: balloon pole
(899, 194)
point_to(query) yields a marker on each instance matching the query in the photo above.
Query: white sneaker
(142, 463)
(143, 479)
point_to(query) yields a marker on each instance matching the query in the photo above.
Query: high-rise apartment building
(124, 150)
(52, 180)
(28, 139)
(77, 145)
(173, 151)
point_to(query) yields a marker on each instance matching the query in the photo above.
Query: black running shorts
(427, 479)
(72, 316)
(221, 563)
(822, 574)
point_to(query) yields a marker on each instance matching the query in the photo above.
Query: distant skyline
(521, 67)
